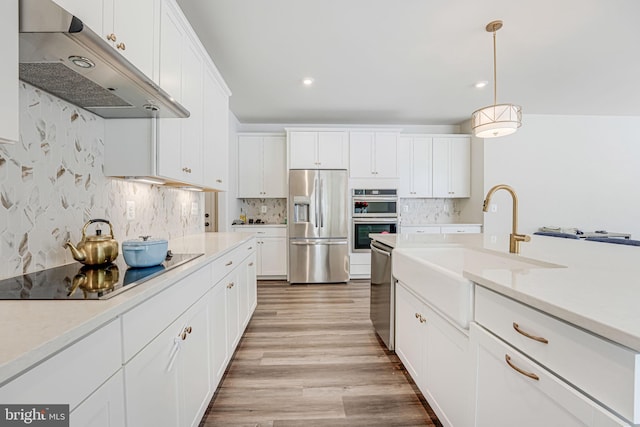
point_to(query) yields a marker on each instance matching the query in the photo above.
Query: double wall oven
(373, 211)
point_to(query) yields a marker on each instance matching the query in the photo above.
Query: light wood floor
(310, 357)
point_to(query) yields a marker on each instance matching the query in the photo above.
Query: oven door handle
(375, 199)
(375, 221)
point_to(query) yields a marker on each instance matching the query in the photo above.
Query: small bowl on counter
(145, 251)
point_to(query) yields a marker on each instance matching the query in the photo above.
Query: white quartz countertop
(443, 224)
(238, 226)
(34, 330)
(597, 289)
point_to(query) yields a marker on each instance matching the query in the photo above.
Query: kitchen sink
(436, 274)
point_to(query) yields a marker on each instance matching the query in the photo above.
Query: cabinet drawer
(607, 371)
(513, 390)
(420, 229)
(146, 321)
(263, 231)
(229, 261)
(451, 229)
(71, 375)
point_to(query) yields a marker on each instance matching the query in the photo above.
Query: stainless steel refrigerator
(318, 228)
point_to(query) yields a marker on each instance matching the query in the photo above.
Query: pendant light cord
(495, 79)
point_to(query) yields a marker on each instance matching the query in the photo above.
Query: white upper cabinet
(9, 73)
(414, 161)
(262, 166)
(216, 133)
(127, 25)
(452, 167)
(193, 150)
(373, 155)
(318, 149)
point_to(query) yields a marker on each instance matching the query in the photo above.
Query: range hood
(62, 56)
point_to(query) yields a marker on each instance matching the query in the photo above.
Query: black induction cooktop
(78, 282)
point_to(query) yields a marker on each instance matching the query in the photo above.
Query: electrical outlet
(445, 208)
(263, 209)
(194, 208)
(131, 210)
(184, 209)
(493, 207)
(405, 208)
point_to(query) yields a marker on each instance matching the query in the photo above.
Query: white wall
(578, 171)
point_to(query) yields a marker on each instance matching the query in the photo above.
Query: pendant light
(497, 119)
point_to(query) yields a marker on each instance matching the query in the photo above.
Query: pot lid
(145, 241)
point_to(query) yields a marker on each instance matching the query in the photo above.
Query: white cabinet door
(104, 408)
(411, 331)
(9, 102)
(192, 80)
(215, 115)
(303, 150)
(170, 64)
(385, 155)
(218, 341)
(195, 366)
(133, 25)
(361, 146)
(452, 167)
(414, 166)
(92, 13)
(275, 167)
(506, 395)
(250, 167)
(273, 254)
(168, 382)
(252, 283)
(332, 150)
(233, 310)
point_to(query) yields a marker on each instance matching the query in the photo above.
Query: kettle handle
(91, 221)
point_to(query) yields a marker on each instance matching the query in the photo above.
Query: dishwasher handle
(381, 249)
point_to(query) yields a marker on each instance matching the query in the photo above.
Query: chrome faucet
(514, 237)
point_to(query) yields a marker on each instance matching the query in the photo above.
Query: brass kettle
(96, 249)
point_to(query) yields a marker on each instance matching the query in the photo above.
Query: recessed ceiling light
(307, 81)
(481, 84)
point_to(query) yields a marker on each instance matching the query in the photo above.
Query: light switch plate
(263, 209)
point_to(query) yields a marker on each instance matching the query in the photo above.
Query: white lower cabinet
(104, 408)
(435, 353)
(512, 390)
(271, 250)
(232, 300)
(168, 382)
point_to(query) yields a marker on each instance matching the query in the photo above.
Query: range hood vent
(62, 56)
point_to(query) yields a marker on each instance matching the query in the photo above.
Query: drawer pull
(420, 318)
(228, 264)
(525, 373)
(249, 248)
(533, 337)
(250, 264)
(230, 285)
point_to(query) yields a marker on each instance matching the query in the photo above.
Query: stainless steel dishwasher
(382, 301)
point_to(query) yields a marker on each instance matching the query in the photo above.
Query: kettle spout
(77, 255)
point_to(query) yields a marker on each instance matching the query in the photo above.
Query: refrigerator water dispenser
(301, 208)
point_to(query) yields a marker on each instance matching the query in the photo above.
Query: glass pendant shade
(496, 120)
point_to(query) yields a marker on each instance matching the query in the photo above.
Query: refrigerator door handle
(315, 195)
(318, 242)
(321, 205)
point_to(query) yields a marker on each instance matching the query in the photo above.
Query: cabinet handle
(533, 337)
(111, 37)
(121, 46)
(186, 331)
(219, 180)
(417, 315)
(230, 285)
(523, 372)
(420, 318)
(228, 264)
(250, 264)
(249, 248)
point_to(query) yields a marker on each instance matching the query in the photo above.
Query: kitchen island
(180, 327)
(580, 295)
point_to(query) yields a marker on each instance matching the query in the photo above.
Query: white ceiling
(416, 61)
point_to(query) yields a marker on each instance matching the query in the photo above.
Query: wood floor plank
(310, 357)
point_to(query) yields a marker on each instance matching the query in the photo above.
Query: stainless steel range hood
(52, 44)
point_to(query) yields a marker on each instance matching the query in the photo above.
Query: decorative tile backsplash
(429, 211)
(276, 210)
(52, 183)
